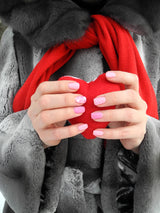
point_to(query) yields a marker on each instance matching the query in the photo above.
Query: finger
(50, 101)
(128, 132)
(115, 115)
(52, 136)
(49, 117)
(130, 80)
(54, 87)
(132, 144)
(124, 97)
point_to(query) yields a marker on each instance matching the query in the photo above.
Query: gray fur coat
(78, 174)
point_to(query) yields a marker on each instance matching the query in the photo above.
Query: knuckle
(41, 87)
(145, 105)
(114, 97)
(130, 114)
(61, 86)
(34, 124)
(71, 131)
(43, 101)
(143, 131)
(56, 134)
(68, 112)
(29, 113)
(110, 115)
(136, 79)
(110, 134)
(66, 99)
(142, 135)
(44, 118)
(32, 98)
(145, 120)
(132, 93)
(42, 136)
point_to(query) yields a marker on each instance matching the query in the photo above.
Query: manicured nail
(99, 100)
(79, 110)
(110, 74)
(74, 85)
(81, 99)
(96, 115)
(83, 127)
(98, 133)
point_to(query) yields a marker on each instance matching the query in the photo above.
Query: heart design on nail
(91, 90)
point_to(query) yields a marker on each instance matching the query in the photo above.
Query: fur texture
(46, 23)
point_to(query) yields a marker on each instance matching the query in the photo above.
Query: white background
(1, 202)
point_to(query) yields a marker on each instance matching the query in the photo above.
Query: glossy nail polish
(110, 74)
(83, 127)
(96, 115)
(99, 100)
(79, 110)
(98, 133)
(81, 99)
(74, 86)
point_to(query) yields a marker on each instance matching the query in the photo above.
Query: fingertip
(98, 133)
(110, 74)
(79, 109)
(74, 85)
(82, 127)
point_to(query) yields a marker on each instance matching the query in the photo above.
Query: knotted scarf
(117, 47)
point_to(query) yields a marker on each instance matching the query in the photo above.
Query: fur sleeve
(147, 191)
(141, 16)
(22, 158)
(45, 23)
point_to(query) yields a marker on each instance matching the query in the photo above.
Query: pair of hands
(54, 102)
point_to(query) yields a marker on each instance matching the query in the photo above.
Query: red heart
(91, 90)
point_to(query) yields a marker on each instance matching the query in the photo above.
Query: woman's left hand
(128, 120)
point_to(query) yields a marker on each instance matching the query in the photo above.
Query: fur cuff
(147, 190)
(47, 23)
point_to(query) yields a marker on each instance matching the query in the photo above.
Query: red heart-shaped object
(91, 90)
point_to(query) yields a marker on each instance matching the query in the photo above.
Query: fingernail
(79, 110)
(96, 115)
(98, 133)
(99, 100)
(83, 127)
(81, 99)
(110, 74)
(74, 86)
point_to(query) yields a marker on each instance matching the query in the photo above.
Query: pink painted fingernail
(81, 99)
(110, 74)
(74, 85)
(96, 115)
(83, 127)
(99, 100)
(79, 110)
(98, 133)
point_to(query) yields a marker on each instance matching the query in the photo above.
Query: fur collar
(45, 23)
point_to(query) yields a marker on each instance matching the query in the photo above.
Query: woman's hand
(128, 120)
(52, 104)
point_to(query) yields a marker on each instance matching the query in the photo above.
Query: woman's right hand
(52, 104)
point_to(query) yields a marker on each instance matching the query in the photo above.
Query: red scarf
(116, 45)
